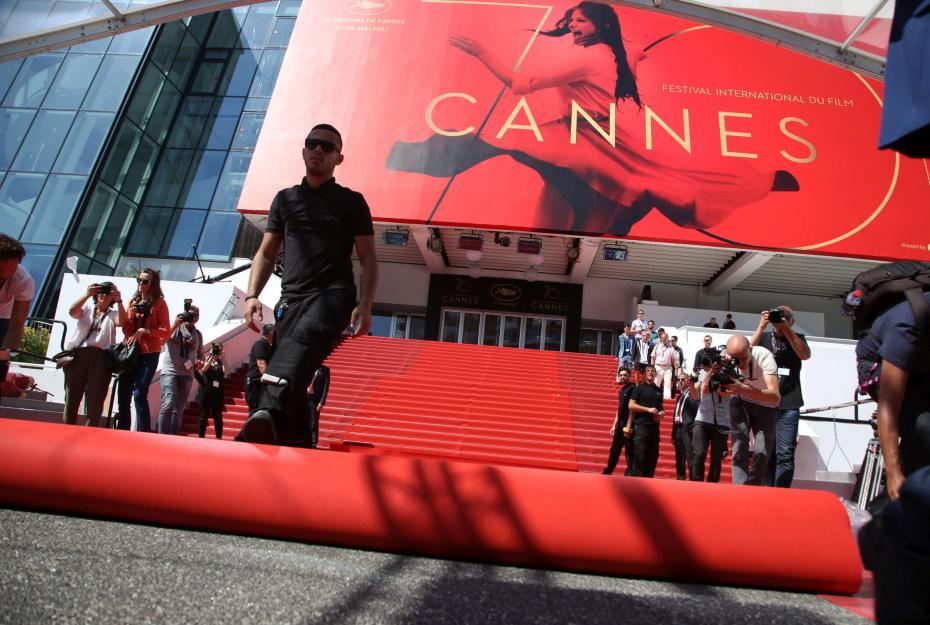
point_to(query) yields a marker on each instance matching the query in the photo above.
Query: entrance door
(488, 328)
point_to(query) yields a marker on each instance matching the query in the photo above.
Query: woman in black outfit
(211, 375)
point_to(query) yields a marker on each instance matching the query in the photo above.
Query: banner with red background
(735, 142)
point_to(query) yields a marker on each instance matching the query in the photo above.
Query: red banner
(625, 123)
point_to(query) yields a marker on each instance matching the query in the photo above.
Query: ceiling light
(503, 241)
(471, 242)
(475, 270)
(572, 254)
(529, 245)
(531, 274)
(617, 252)
(397, 236)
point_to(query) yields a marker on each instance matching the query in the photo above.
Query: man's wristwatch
(248, 297)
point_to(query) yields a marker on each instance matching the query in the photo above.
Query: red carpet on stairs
(484, 404)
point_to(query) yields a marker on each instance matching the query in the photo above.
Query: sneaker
(260, 428)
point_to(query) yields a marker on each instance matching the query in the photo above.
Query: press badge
(216, 384)
(784, 371)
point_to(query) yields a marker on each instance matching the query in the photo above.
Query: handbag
(63, 359)
(123, 357)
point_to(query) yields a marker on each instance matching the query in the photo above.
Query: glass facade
(137, 144)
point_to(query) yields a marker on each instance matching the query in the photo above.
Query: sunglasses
(143, 280)
(327, 146)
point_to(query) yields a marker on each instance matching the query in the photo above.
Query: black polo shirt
(648, 396)
(319, 228)
(261, 350)
(625, 393)
(789, 384)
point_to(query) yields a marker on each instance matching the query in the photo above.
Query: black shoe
(260, 428)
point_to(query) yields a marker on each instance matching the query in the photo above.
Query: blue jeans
(781, 472)
(135, 385)
(175, 390)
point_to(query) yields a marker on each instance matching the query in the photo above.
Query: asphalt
(62, 569)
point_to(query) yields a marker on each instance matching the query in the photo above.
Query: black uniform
(646, 431)
(619, 440)
(261, 350)
(210, 398)
(319, 227)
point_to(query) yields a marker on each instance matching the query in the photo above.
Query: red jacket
(158, 325)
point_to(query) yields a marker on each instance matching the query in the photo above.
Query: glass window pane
(166, 232)
(72, 82)
(208, 76)
(91, 225)
(121, 154)
(18, 194)
(281, 34)
(417, 327)
(512, 331)
(470, 328)
(205, 172)
(164, 108)
(247, 133)
(225, 118)
(588, 342)
(257, 25)
(606, 347)
(533, 336)
(553, 335)
(167, 46)
(184, 61)
(114, 235)
(95, 46)
(33, 80)
(239, 72)
(83, 143)
(231, 181)
(257, 104)
(492, 330)
(267, 74)
(199, 25)
(450, 326)
(400, 326)
(225, 33)
(380, 324)
(41, 146)
(111, 83)
(133, 42)
(289, 7)
(192, 118)
(38, 262)
(218, 236)
(14, 123)
(140, 170)
(54, 209)
(7, 73)
(170, 177)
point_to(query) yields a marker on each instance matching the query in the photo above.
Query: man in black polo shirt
(318, 221)
(646, 406)
(259, 357)
(619, 429)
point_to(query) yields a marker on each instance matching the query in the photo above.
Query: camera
(143, 307)
(215, 349)
(104, 289)
(729, 369)
(776, 315)
(188, 316)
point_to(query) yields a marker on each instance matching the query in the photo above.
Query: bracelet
(627, 429)
(248, 297)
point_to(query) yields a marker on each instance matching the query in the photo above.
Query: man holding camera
(711, 425)
(647, 410)
(706, 354)
(753, 390)
(182, 353)
(211, 374)
(790, 350)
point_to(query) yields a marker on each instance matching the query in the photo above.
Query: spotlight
(471, 242)
(475, 271)
(396, 237)
(529, 245)
(615, 253)
(503, 241)
(531, 274)
(572, 254)
(473, 255)
(535, 259)
(434, 244)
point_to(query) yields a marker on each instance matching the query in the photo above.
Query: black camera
(104, 289)
(188, 316)
(718, 357)
(143, 307)
(776, 315)
(215, 349)
(729, 369)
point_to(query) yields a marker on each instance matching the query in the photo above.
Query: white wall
(400, 285)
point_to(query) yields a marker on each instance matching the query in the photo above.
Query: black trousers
(706, 435)
(645, 448)
(211, 406)
(253, 388)
(616, 446)
(303, 338)
(681, 439)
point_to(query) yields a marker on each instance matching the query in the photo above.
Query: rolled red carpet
(704, 533)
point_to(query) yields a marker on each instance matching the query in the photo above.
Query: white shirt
(761, 363)
(664, 355)
(18, 288)
(93, 329)
(638, 324)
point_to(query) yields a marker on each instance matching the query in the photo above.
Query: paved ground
(59, 569)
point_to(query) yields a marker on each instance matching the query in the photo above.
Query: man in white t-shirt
(16, 291)
(753, 406)
(639, 323)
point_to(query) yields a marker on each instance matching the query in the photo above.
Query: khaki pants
(86, 377)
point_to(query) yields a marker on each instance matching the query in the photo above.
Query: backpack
(885, 286)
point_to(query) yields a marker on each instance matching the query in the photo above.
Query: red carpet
(706, 533)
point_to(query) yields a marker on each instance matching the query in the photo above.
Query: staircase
(484, 404)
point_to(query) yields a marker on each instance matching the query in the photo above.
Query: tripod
(871, 475)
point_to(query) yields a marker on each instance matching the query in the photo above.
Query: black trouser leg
(645, 449)
(629, 456)
(718, 446)
(681, 439)
(303, 339)
(253, 389)
(616, 446)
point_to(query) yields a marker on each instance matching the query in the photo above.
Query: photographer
(790, 350)
(211, 375)
(711, 426)
(182, 354)
(686, 407)
(259, 357)
(646, 406)
(147, 326)
(16, 291)
(88, 373)
(754, 397)
(706, 354)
